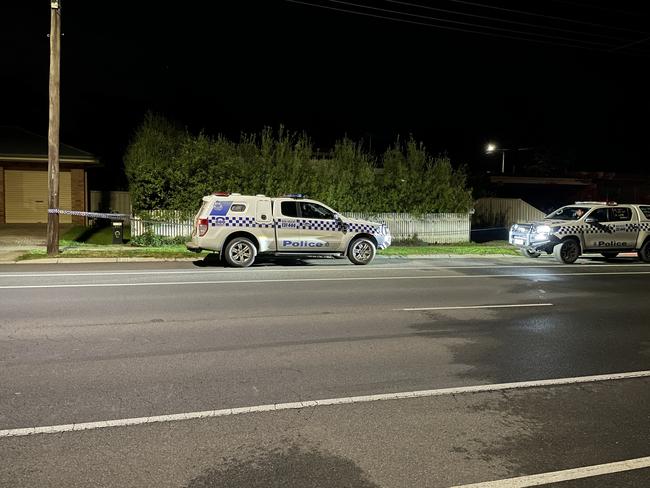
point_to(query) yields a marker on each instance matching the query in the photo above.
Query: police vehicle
(607, 228)
(239, 227)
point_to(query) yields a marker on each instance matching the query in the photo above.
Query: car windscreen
(568, 213)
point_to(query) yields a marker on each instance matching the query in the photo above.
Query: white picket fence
(442, 228)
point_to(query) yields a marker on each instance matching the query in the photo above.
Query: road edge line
(273, 407)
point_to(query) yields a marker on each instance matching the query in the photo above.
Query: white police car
(606, 228)
(239, 227)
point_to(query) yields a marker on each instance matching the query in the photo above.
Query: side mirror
(337, 217)
(591, 220)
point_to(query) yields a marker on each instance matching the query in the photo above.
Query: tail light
(203, 227)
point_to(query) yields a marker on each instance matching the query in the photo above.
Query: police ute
(239, 227)
(606, 228)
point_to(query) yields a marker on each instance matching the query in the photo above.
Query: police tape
(111, 216)
(94, 215)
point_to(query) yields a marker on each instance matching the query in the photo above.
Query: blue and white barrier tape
(96, 215)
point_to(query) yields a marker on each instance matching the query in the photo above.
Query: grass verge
(85, 251)
(492, 247)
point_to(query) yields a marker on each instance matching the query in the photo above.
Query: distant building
(23, 178)
(549, 193)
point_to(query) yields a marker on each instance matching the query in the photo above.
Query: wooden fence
(443, 228)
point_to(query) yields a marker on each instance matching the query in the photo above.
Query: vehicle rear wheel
(644, 252)
(567, 252)
(240, 252)
(362, 251)
(530, 254)
(609, 254)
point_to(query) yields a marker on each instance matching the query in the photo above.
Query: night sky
(232, 66)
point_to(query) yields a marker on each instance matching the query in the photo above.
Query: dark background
(568, 87)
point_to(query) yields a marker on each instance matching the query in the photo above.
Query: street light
(492, 148)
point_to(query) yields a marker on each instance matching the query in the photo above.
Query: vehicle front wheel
(609, 254)
(362, 251)
(567, 252)
(644, 252)
(240, 252)
(530, 254)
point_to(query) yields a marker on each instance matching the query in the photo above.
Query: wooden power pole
(53, 131)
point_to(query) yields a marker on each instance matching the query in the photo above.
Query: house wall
(2, 195)
(78, 189)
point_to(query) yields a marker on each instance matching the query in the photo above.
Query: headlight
(543, 229)
(515, 227)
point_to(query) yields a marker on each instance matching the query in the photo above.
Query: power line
(470, 24)
(506, 21)
(634, 43)
(597, 7)
(536, 14)
(455, 29)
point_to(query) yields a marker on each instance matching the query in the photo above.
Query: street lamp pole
(503, 161)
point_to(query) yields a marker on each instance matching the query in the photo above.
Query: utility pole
(53, 131)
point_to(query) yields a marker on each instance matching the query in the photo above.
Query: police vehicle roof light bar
(294, 195)
(596, 203)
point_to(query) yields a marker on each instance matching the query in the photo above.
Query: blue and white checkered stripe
(589, 229)
(304, 224)
(248, 222)
(369, 229)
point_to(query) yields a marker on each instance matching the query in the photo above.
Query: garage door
(26, 196)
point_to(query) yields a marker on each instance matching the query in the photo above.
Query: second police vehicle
(239, 227)
(606, 228)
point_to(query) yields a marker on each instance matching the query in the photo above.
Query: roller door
(26, 196)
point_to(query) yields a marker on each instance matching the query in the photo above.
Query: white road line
(305, 280)
(309, 268)
(516, 305)
(274, 407)
(564, 475)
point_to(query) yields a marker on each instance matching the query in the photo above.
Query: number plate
(518, 242)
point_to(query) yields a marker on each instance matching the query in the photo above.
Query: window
(289, 209)
(600, 214)
(568, 213)
(238, 207)
(620, 214)
(646, 211)
(309, 210)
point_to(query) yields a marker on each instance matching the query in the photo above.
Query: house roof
(19, 145)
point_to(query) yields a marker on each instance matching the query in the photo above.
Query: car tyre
(567, 252)
(361, 251)
(240, 252)
(644, 252)
(527, 253)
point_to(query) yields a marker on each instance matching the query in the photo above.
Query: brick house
(23, 178)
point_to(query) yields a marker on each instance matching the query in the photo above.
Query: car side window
(289, 209)
(599, 214)
(646, 211)
(620, 214)
(309, 210)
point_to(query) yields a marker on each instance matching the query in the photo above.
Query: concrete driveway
(15, 238)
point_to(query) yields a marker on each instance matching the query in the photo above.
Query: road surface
(170, 348)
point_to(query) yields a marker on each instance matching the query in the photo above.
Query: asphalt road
(99, 342)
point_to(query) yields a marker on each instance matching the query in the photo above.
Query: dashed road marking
(514, 305)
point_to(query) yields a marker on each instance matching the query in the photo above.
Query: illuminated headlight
(543, 229)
